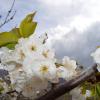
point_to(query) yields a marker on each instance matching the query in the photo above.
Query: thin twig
(67, 86)
(10, 18)
(7, 19)
(9, 11)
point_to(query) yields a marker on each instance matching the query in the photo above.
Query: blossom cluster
(32, 65)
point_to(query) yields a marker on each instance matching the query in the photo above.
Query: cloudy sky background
(73, 26)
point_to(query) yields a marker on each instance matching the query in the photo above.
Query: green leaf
(8, 38)
(16, 31)
(27, 26)
(93, 91)
(1, 89)
(11, 46)
(83, 90)
(98, 89)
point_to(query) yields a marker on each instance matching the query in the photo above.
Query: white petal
(69, 64)
(96, 56)
(49, 74)
(98, 67)
(62, 72)
(33, 85)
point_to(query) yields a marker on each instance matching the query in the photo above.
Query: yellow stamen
(33, 48)
(45, 53)
(44, 69)
(22, 55)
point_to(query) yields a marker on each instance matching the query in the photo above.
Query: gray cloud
(81, 46)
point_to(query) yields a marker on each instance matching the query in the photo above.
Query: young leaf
(27, 26)
(83, 89)
(16, 31)
(11, 46)
(7, 38)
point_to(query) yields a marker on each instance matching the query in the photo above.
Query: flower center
(44, 69)
(45, 53)
(33, 48)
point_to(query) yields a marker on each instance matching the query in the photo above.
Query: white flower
(69, 64)
(2, 66)
(67, 71)
(28, 47)
(88, 93)
(19, 49)
(27, 64)
(62, 72)
(17, 75)
(6, 55)
(98, 67)
(47, 52)
(11, 61)
(34, 87)
(11, 66)
(33, 45)
(45, 70)
(29, 85)
(19, 54)
(96, 57)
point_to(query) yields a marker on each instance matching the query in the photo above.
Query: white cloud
(78, 13)
(56, 2)
(66, 21)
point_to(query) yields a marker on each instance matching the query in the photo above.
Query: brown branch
(13, 91)
(67, 86)
(7, 19)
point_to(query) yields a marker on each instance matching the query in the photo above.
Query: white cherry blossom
(67, 70)
(69, 63)
(31, 65)
(45, 70)
(34, 87)
(96, 57)
(47, 52)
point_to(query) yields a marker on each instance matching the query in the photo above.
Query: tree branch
(65, 87)
(8, 17)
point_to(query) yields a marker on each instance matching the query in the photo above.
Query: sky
(73, 26)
